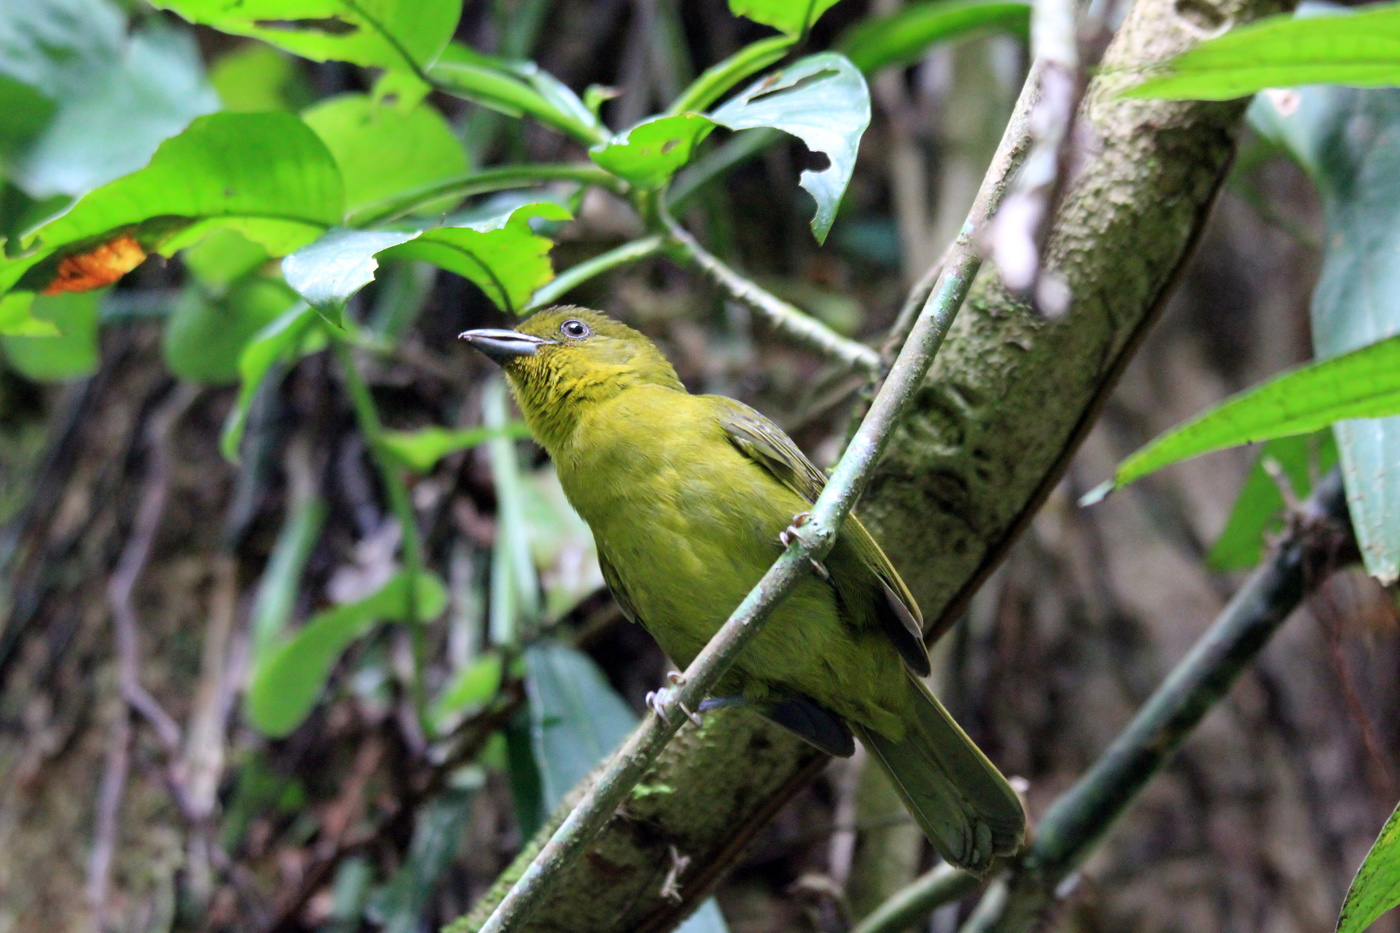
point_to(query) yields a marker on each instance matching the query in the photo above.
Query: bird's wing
(764, 443)
(619, 592)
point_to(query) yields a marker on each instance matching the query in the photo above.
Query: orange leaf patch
(99, 266)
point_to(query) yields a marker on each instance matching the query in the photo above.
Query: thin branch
(928, 892)
(367, 415)
(562, 284)
(1077, 822)
(787, 318)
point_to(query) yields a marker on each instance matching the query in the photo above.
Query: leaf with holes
(649, 153)
(823, 101)
(400, 35)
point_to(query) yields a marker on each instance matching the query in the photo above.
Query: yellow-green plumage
(687, 496)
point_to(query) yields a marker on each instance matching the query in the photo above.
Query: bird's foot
(676, 678)
(791, 533)
(658, 699)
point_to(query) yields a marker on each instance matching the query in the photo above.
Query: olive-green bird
(688, 496)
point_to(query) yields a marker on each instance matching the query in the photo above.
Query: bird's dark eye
(574, 330)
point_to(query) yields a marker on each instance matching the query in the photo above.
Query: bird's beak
(502, 345)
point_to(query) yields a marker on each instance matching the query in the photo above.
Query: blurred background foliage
(298, 633)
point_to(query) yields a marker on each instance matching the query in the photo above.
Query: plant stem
(787, 318)
(931, 890)
(1077, 822)
(562, 284)
(499, 178)
(367, 416)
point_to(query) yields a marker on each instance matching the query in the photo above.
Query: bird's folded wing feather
(765, 444)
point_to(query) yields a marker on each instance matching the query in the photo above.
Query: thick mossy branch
(1008, 401)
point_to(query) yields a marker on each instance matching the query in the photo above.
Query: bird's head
(564, 359)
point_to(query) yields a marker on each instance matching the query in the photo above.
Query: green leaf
(472, 688)
(70, 354)
(1350, 141)
(275, 343)
(1258, 507)
(560, 544)
(1362, 384)
(17, 318)
(823, 101)
(281, 578)
(420, 450)
(793, 17)
(1376, 887)
(400, 35)
(500, 254)
(84, 100)
(515, 88)
(265, 174)
(649, 153)
(905, 36)
(386, 148)
(256, 77)
(717, 80)
(575, 716)
(1359, 49)
(222, 258)
(291, 677)
(438, 832)
(205, 336)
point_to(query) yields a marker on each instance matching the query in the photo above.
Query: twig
(562, 284)
(788, 319)
(367, 415)
(1077, 822)
(126, 642)
(927, 893)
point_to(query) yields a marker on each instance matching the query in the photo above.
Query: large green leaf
(386, 145)
(265, 174)
(793, 17)
(1360, 49)
(84, 101)
(288, 679)
(501, 255)
(1362, 384)
(69, 354)
(649, 153)
(906, 35)
(1350, 141)
(401, 35)
(1376, 888)
(823, 101)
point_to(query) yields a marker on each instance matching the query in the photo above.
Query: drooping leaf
(291, 676)
(1376, 887)
(400, 35)
(515, 88)
(1362, 384)
(275, 343)
(205, 336)
(575, 716)
(1360, 49)
(420, 450)
(386, 146)
(793, 17)
(1350, 141)
(69, 354)
(266, 174)
(1259, 506)
(83, 99)
(649, 153)
(501, 255)
(905, 36)
(823, 101)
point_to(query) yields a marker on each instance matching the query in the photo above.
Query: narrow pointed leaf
(1376, 888)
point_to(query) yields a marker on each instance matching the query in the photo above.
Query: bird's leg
(657, 699)
(788, 534)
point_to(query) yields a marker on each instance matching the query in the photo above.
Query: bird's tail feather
(958, 797)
